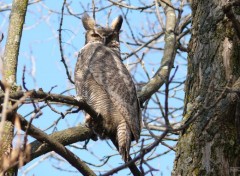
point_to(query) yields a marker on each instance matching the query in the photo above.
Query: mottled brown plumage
(104, 82)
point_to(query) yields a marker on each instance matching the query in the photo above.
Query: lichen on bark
(209, 146)
(10, 60)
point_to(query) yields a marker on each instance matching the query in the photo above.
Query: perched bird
(103, 81)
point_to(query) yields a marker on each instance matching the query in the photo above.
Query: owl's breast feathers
(106, 68)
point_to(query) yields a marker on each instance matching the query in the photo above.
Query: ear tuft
(88, 22)
(117, 23)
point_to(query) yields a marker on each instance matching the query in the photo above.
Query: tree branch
(60, 44)
(43, 96)
(56, 146)
(10, 60)
(7, 7)
(168, 57)
(65, 137)
(139, 156)
(131, 7)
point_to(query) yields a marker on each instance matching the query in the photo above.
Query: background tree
(154, 45)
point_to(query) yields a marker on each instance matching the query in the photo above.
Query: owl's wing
(112, 75)
(80, 73)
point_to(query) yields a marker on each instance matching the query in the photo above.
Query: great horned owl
(104, 82)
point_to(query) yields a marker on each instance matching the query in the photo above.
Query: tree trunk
(17, 18)
(210, 145)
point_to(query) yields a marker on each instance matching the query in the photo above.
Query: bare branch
(144, 45)
(168, 57)
(42, 96)
(131, 7)
(60, 44)
(7, 7)
(138, 157)
(57, 147)
(65, 137)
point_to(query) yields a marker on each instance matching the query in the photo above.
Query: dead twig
(60, 44)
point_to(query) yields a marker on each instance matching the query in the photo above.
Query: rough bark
(65, 137)
(17, 18)
(210, 145)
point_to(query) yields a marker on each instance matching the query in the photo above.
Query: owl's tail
(124, 139)
(123, 143)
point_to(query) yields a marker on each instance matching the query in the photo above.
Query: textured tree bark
(210, 145)
(17, 18)
(65, 137)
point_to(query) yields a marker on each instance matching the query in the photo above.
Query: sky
(39, 52)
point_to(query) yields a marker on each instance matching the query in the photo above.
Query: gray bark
(210, 145)
(17, 18)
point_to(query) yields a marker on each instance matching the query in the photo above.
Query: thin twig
(131, 7)
(23, 78)
(145, 44)
(139, 156)
(93, 9)
(60, 44)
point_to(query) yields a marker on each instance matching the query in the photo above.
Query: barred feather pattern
(124, 139)
(103, 81)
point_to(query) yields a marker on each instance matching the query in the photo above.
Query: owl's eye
(94, 35)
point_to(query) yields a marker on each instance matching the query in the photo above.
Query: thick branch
(168, 57)
(65, 137)
(56, 146)
(10, 58)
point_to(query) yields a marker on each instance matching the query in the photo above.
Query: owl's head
(108, 36)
